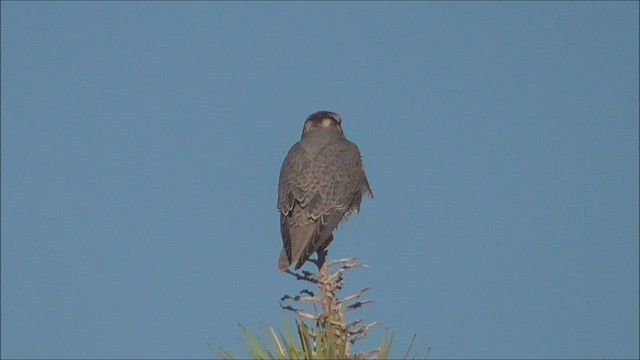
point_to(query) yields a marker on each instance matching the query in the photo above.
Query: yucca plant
(318, 334)
(297, 344)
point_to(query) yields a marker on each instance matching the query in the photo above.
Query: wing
(296, 226)
(293, 178)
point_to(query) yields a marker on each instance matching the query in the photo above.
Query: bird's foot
(304, 275)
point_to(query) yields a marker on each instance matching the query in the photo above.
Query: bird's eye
(308, 126)
(328, 122)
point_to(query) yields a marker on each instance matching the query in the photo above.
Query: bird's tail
(296, 244)
(283, 261)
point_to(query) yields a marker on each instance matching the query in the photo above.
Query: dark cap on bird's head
(323, 120)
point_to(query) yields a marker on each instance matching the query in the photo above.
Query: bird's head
(323, 121)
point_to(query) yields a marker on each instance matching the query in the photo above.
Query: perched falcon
(321, 183)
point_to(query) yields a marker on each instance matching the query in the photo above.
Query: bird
(322, 180)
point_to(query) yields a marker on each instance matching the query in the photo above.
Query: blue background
(141, 146)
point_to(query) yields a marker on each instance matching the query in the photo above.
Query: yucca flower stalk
(331, 319)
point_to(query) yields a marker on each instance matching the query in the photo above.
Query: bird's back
(321, 183)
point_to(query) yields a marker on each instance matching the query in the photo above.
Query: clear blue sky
(141, 145)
